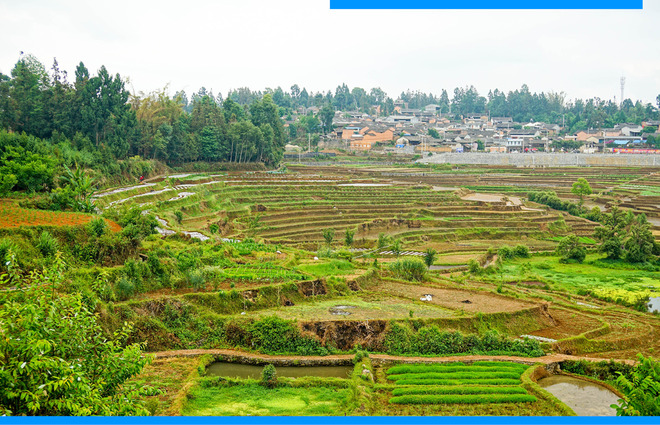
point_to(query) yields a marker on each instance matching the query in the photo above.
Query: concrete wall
(546, 159)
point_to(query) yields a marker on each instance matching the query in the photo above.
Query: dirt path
(552, 358)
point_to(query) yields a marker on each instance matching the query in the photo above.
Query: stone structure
(546, 159)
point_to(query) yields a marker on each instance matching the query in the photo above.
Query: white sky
(225, 44)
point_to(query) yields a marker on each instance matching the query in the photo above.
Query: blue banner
(486, 4)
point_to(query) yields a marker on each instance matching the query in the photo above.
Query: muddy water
(584, 397)
(447, 267)
(237, 370)
(654, 304)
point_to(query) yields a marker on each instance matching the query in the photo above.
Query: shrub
(269, 376)
(125, 289)
(97, 227)
(383, 240)
(361, 354)
(348, 237)
(641, 389)
(505, 253)
(570, 249)
(196, 280)
(328, 235)
(47, 244)
(408, 269)
(474, 267)
(521, 251)
(430, 257)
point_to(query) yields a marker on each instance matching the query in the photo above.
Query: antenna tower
(623, 86)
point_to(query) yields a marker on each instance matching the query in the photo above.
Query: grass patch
(256, 400)
(331, 268)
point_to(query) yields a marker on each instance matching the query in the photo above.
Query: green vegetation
(408, 269)
(450, 383)
(581, 188)
(569, 249)
(55, 360)
(256, 400)
(286, 290)
(641, 388)
(429, 340)
(463, 398)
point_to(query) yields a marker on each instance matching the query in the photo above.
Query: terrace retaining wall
(546, 159)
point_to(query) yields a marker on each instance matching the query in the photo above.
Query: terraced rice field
(457, 383)
(295, 211)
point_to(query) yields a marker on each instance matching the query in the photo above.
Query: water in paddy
(654, 304)
(584, 397)
(447, 267)
(237, 370)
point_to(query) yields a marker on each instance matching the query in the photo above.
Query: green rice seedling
(456, 375)
(457, 390)
(463, 399)
(447, 369)
(458, 382)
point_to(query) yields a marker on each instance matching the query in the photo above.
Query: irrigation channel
(586, 398)
(245, 371)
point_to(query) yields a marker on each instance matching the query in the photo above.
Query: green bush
(430, 340)
(505, 253)
(359, 355)
(269, 376)
(125, 289)
(98, 227)
(521, 251)
(408, 269)
(47, 244)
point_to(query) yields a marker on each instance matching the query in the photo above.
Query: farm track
(265, 358)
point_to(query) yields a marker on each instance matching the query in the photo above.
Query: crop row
(463, 399)
(429, 390)
(458, 382)
(457, 375)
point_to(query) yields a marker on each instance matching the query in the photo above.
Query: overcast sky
(225, 44)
